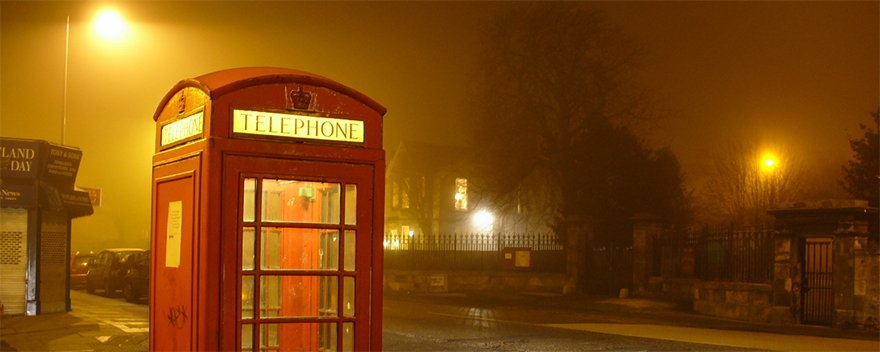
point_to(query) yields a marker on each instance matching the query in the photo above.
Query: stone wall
(741, 301)
(679, 289)
(866, 298)
(461, 281)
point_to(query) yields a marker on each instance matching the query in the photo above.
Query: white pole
(66, 59)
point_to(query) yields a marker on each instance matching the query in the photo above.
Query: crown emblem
(181, 103)
(301, 100)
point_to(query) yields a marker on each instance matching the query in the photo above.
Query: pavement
(110, 324)
(95, 323)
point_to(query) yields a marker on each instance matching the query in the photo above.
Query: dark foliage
(556, 93)
(861, 177)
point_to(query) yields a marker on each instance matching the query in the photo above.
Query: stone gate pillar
(578, 236)
(851, 227)
(646, 229)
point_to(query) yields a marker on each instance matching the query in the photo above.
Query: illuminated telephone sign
(298, 126)
(183, 129)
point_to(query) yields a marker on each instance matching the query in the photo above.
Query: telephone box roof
(218, 83)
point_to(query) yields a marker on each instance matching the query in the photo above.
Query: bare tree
(744, 181)
(549, 73)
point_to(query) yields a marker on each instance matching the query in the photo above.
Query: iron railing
(717, 254)
(470, 251)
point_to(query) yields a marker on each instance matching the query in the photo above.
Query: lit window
(404, 197)
(461, 200)
(395, 200)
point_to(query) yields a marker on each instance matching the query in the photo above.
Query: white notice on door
(173, 233)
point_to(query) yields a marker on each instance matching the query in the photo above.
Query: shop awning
(46, 196)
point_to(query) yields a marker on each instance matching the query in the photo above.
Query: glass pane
(247, 248)
(349, 250)
(348, 296)
(247, 337)
(299, 249)
(247, 297)
(250, 192)
(351, 204)
(269, 337)
(298, 337)
(327, 337)
(298, 296)
(301, 201)
(347, 337)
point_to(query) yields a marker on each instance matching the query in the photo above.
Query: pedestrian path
(95, 324)
(745, 339)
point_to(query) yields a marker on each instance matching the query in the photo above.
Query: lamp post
(110, 26)
(66, 63)
(769, 166)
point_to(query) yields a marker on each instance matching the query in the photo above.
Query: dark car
(136, 283)
(79, 268)
(107, 270)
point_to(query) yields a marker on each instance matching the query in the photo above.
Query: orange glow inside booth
(267, 215)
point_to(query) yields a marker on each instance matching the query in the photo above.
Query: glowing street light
(770, 178)
(768, 162)
(484, 218)
(110, 25)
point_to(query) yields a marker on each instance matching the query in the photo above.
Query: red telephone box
(268, 190)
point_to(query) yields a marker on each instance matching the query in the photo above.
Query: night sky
(800, 74)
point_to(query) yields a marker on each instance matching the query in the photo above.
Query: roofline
(219, 83)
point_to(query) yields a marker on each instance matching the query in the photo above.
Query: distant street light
(484, 218)
(770, 177)
(768, 162)
(110, 26)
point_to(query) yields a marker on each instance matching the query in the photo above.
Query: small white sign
(523, 259)
(173, 233)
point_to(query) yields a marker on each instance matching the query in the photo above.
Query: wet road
(465, 324)
(418, 326)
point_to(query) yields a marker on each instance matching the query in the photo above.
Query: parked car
(108, 269)
(136, 283)
(79, 268)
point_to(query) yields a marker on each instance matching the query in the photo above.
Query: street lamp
(484, 218)
(768, 166)
(109, 25)
(768, 162)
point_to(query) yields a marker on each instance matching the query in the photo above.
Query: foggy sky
(803, 74)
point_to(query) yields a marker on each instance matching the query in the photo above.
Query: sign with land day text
(298, 126)
(38, 159)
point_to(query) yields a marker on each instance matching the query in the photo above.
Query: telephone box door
(299, 236)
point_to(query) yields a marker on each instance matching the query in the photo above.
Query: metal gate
(817, 294)
(611, 269)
